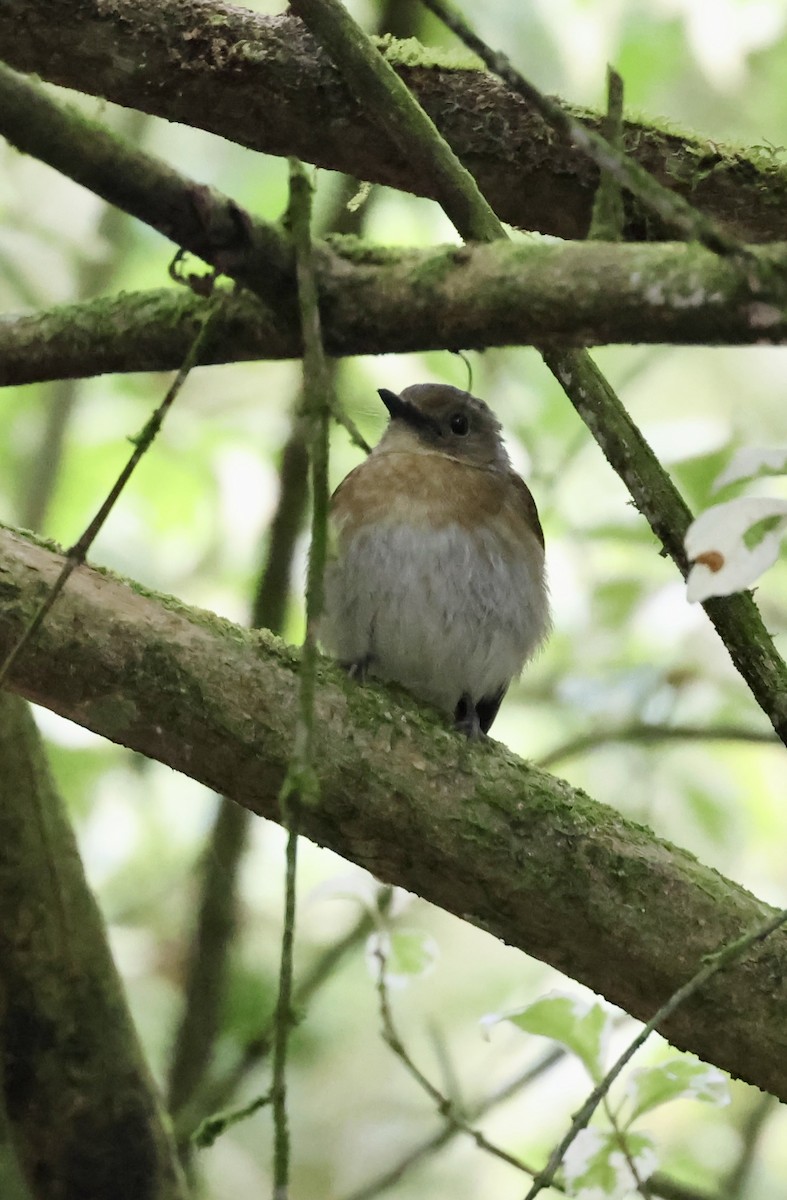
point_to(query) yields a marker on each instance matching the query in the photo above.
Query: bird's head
(436, 418)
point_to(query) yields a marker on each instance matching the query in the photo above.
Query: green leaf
(752, 463)
(676, 1078)
(406, 954)
(596, 1168)
(583, 1026)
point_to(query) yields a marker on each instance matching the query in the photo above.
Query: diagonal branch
(195, 217)
(259, 81)
(736, 618)
(82, 1110)
(474, 830)
(677, 214)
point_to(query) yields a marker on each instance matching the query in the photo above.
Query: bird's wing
(527, 506)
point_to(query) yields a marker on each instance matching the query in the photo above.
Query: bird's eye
(459, 424)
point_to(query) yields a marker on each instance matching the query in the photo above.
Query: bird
(435, 574)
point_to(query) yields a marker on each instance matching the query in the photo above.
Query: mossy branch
(376, 300)
(494, 839)
(259, 81)
(80, 1104)
(196, 217)
(678, 215)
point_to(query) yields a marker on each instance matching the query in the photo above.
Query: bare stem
(606, 223)
(300, 786)
(444, 1105)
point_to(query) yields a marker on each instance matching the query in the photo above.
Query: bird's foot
(360, 669)
(466, 718)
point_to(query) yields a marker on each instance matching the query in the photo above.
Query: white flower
(716, 544)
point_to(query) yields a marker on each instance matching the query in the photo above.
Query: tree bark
(473, 829)
(379, 301)
(83, 1112)
(260, 80)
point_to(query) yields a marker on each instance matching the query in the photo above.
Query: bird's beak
(397, 407)
(405, 410)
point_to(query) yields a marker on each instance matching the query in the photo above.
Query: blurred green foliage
(627, 649)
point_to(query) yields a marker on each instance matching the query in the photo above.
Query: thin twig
(642, 1186)
(214, 1126)
(670, 206)
(356, 437)
(283, 1016)
(444, 1105)
(640, 732)
(450, 1130)
(300, 786)
(714, 963)
(606, 222)
(75, 556)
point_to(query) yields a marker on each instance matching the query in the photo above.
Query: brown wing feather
(525, 502)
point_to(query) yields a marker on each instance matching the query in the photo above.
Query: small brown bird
(436, 574)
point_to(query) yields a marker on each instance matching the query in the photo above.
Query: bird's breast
(436, 577)
(429, 491)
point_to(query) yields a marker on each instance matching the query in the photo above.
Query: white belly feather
(443, 612)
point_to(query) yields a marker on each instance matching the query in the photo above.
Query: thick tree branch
(381, 301)
(372, 299)
(473, 829)
(84, 1113)
(134, 332)
(260, 80)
